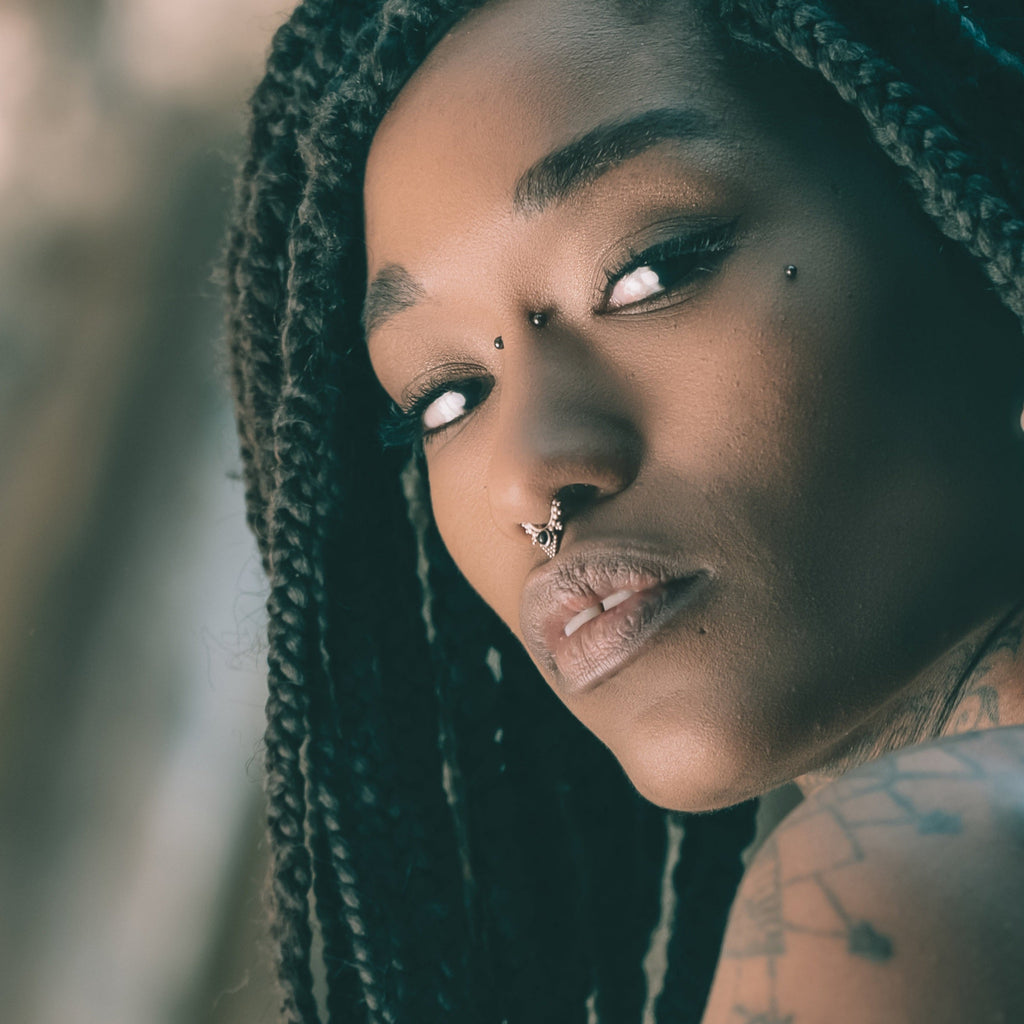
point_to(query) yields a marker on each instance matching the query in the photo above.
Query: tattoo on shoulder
(762, 924)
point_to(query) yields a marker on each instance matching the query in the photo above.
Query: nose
(565, 430)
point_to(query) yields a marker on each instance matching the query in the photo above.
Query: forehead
(510, 83)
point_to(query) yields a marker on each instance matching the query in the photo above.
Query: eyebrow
(557, 176)
(392, 291)
(552, 180)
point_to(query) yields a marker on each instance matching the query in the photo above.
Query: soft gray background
(130, 598)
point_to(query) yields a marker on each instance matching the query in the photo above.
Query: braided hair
(452, 843)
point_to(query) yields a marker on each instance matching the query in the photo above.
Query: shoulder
(893, 894)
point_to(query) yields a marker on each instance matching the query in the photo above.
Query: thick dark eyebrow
(392, 291)
(555, 177)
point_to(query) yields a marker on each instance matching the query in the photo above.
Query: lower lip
(603, 646)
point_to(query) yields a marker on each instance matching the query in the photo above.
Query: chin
(692, 771)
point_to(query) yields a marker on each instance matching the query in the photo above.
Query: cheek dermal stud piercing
(791, 272)
(548, 536)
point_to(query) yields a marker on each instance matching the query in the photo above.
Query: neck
(977, 685)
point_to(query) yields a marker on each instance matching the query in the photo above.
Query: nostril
(576, 497)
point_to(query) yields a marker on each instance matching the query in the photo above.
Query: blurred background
(131, 622)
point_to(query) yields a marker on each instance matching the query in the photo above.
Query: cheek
(737, 396)
(486, 556)
(783, 382)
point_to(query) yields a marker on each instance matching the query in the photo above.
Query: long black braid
(471, 853)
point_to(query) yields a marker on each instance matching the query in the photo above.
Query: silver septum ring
(548, 536)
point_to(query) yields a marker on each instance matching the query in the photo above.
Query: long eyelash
(399, 428)
(404, 427)
(713, 241)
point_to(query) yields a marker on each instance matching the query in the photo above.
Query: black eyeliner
(714, 241)
(400, 427)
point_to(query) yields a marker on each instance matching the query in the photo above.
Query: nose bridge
(563, 422)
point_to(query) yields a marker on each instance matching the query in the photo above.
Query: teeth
(593, 611)
(617, 598)
(584, 616)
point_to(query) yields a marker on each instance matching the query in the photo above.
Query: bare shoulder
(895, 894)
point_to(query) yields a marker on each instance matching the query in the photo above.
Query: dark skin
(832, 463)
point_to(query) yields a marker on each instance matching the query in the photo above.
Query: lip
(600, 648)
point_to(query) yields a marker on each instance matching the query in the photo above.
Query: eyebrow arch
(392, 291)
(555, 177)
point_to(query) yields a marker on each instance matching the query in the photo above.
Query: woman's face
(801, 487)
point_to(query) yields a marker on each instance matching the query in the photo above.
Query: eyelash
(716, 242)
(404, 427)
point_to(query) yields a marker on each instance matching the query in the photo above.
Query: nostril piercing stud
(498, 343)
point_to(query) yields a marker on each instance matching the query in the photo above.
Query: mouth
(586, 618)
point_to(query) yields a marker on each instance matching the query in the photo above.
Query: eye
(436, 404)
(666, 268)
(444, 409)
(640, 284)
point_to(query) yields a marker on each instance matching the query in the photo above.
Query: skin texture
(837, 455)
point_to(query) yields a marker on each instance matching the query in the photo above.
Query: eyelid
(429, 379)
(711, 238)
(474, 389)
(402, 425)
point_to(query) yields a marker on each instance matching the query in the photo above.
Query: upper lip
(555, 592)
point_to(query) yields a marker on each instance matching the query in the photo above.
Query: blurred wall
(131, 669)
